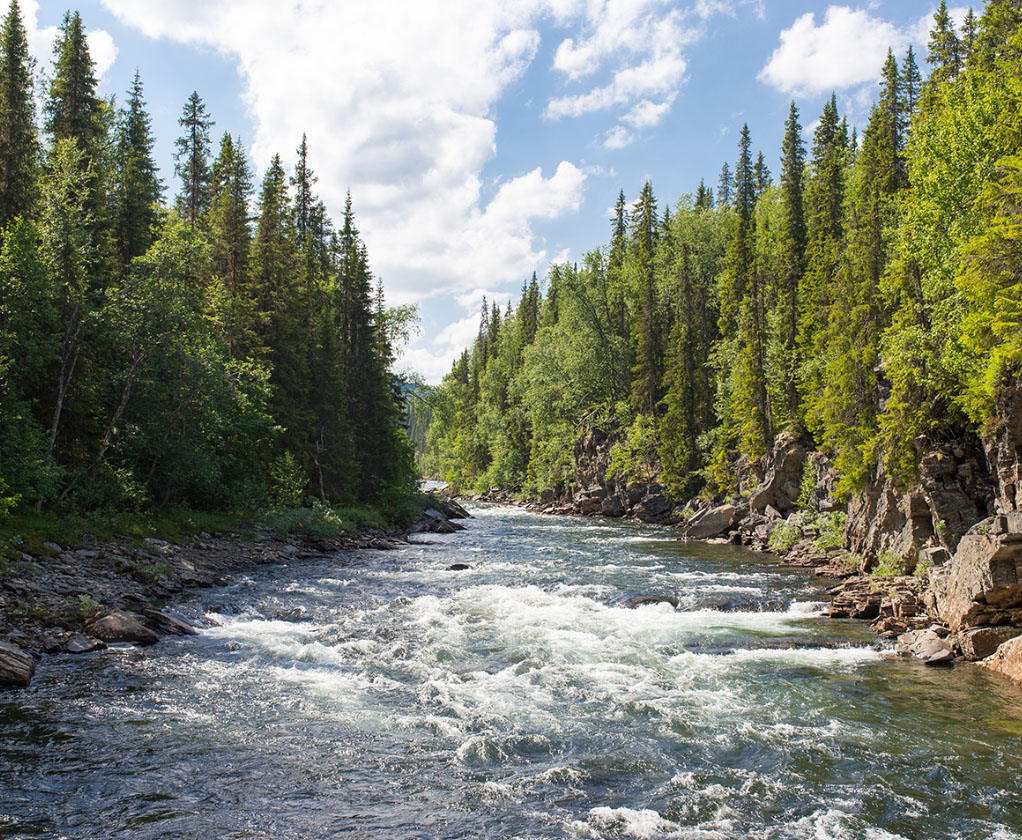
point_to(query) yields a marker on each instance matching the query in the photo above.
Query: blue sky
(481, 140)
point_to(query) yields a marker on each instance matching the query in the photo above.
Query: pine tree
(1001, 20)
(911, 83)
(762, 175)
(894, 120)
(19, 144)
(725, 186)
(231, 183)
(944, 48)
(73, 110)
(646, 325)
(968, 37)
(138, 190)
(192, 160)
(793, 256)
(704, 197)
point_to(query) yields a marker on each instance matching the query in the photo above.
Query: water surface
(380, 695)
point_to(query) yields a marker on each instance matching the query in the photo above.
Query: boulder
(458, 567)
(16, 666)
(713, 523)
(926, 646)
(652, 507)
(164, 623)
(983, 584)
(121, 628)
(613, 507)
(633, 601)
(1007, 660)
(79, 643)
(981, 642)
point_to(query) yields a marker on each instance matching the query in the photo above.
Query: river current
(383, 696)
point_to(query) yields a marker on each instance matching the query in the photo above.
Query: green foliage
(810, 478)
(889, 564)
(83, 607)
(322, 522)
(634, 458)
(831, 529)
(786, 535)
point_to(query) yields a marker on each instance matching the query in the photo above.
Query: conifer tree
(646, 324)
(911, 83)
(762, 175)
(704, 197)
(968, 36)
(138, 190)
(19, 144)
(725, 186)
(944, 48)
(793, 255)
(192, 160)
(73, 110)
(229, 214)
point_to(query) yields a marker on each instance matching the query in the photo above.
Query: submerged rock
(633, 601)
(926, 646)
(122, 628)
(16, 666)
(458, 567)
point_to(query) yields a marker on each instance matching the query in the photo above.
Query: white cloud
(846, 50)
(41, 39)
(618, 138)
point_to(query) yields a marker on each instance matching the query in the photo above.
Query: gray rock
(1007, 660)
(633, 601)
(16, 666)
(713, 523)
(121, 628)
(652, 507)
(172, 626)
(925, 646)
(79, 643)
(613, 507)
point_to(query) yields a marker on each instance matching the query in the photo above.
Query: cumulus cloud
(40, 41)
(847, 49)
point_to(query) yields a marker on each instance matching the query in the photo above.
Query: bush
(889, 564)
(785, 536)
(831, 528)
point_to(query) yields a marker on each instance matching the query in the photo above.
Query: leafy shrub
(889, 564)
(288, 481)
(831, 528)
(810, 478)
(785, 536)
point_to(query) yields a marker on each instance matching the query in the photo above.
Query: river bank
(76, 599)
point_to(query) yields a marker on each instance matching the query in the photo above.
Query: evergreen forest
(865, 298)
(224, 349)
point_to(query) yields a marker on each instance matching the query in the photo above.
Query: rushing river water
(386, 697)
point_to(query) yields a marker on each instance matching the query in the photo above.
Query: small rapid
(582, 679)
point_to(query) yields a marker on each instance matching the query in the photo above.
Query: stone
(981, 642)
(79, 643)
(16, 665)
(612, 507)
(652, 507)
(925, 646)
(984, 576)
(713, 523)
(458, 567)
(1006, 660)
(171, 625)
(121, 628)
(633, 601)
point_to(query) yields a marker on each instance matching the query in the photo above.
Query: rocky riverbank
(77, 600)
(935, 566)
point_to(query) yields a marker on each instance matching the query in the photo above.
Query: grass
(45, 534)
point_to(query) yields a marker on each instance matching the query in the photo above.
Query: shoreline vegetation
(829, 361)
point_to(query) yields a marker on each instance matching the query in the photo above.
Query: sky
(482, 140)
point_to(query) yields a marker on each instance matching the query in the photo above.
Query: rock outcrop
(1007, 661)
(982, 586)
(782, 468)
(713, 522)
(16, 666)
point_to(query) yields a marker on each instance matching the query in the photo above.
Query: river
(383, 696)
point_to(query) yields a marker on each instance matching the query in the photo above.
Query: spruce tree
(138, 190)
(762, 175)
(793, 254)
(911, 84)
(725, 186)
(73, 110)
(192, 160)
(647, 328)
(19, 144)
(229, 214)
(968, 37)
(944, 48)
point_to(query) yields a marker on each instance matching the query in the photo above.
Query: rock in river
(120, 628)
(16, 666)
